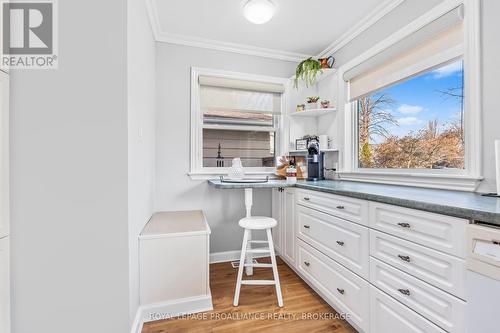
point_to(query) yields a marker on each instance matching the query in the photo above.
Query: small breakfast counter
(468, 205)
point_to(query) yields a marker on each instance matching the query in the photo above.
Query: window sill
(444, 182)
(201, 175)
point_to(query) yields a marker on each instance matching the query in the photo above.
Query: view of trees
(436, 145)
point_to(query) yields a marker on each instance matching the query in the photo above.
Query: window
(414, 124)
(234, 115)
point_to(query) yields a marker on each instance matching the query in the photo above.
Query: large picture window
(414, 124)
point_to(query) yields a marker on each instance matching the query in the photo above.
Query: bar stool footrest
(259, 282)
(259, 265)
(258, 251)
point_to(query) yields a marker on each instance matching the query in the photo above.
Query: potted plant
(307, 71)
(312, 102)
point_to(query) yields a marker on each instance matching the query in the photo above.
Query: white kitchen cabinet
(4, 286)
(4, 154)
(436, 268)
(351, 209)
(439, 232)
(283, 210)
(443, 309)
(346, 291)
(388, 315)
(343, 241)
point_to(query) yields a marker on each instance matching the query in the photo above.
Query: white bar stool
(257, 223)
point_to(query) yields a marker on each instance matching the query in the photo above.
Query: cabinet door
(277, 208)
(289, 224)
(4, 154)
(4, 286)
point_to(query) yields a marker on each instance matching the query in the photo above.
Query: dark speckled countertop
(467, 205)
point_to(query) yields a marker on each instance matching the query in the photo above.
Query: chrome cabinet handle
(307, 226)
(306, 199)
(306, 263)
(341, 243)
(341, 291)
(404, 258)
(404, 225)
(340, 207)
(405, 292)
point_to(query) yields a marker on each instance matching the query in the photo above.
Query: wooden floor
(258, 310)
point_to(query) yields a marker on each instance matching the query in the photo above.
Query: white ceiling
(300, 27)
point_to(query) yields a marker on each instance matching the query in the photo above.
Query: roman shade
(435, 44)
(223, 82)
(222, 95)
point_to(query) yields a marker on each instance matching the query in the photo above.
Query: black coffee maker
(315, 160)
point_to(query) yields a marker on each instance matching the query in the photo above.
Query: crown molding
(160, 36)
(230, 47)
(369, 20)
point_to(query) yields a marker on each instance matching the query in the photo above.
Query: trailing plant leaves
(307, 71)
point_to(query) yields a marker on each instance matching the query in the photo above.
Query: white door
(277, 208)
(289, 225)
(4, 286)
(4, 154)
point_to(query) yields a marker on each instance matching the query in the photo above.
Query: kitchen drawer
(351, 209)
(440, 232)
(346, 242)
(389, 316)
(439, 269)
(441, 308)
(346, 290)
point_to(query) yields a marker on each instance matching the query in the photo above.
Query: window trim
(196, 170)
(465, 180)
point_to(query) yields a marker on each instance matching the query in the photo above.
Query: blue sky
(418, 100)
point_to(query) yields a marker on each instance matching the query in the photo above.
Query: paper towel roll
(497, 161)
(323, 142)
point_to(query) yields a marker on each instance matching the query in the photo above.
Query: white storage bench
(174, 265)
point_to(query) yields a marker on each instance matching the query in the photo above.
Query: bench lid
(176, 223)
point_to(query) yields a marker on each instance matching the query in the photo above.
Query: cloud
(410, 109)
(448, 70)
(409, 121)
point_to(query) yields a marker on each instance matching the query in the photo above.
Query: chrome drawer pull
(340, 243)
(340, 207)
(306, 199)
(306, 263)
(404, 292)
(404, 258)
(306, 226)
(404, 225)
(341, 291)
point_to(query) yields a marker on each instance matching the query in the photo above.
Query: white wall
(409, 11)
(69, 233)
(175, 190)
(141, 65)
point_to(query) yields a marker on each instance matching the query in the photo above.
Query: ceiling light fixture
(259, 11)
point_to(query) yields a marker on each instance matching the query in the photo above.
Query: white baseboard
(171, 309)
(231, 256)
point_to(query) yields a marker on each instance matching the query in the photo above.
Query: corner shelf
(313, 112)
(327, 72)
